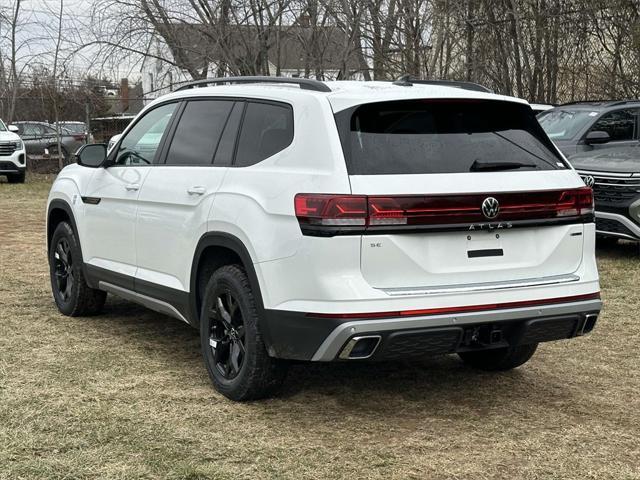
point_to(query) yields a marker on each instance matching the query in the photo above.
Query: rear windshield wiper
(479, 166)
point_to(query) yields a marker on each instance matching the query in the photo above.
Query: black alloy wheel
(227, 335)
(63, 269)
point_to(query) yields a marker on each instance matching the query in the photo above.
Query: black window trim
(163, 149)
(244, 102)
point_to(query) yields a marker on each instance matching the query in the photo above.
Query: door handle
(132, 187)
(196, 190)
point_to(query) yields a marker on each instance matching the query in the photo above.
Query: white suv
(13, 158)
(331, 221)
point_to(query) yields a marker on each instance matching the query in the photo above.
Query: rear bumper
(298, 336)
(617, 225)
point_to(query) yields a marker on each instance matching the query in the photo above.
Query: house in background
(205, 51)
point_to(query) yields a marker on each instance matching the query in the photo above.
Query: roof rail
(607, 102)
(304, 83)
(407, 81)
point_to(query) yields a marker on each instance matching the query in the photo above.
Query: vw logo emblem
(490, 208)
(588, 180)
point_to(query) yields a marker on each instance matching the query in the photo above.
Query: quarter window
(198, 132)
(620, 125)
(140, 144)
(266, 130)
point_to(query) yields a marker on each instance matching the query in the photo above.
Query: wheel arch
(59, 211)
(216, 249)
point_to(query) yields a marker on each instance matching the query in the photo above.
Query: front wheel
(62, 157)
(16, 177)
(70, 290)
(232, 345)
(499, 359)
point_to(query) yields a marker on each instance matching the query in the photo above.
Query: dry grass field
(125, 395)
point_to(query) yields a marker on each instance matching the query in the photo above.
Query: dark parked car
(78, 128)
(592, 126)
(614, 174)
(40, 139)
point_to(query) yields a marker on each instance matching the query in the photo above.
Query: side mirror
(13, 128)
(92, 155)
(597, 137)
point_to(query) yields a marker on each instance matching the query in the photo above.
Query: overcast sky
(37, 37)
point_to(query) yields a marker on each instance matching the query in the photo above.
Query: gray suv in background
(40, 138)
(590, 126)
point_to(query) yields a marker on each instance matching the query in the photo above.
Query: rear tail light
(79, 138)
(320, 214)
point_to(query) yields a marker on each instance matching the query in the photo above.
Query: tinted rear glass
(266, 130)
(427, 136)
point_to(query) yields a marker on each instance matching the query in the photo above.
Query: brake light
(576, 202)
(78, 138)
(321, 214)
(331, 210)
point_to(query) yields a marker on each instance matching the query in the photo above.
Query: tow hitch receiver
(483, 335)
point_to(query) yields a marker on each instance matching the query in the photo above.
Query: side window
(620, 125)
(198, 132)
(49, 130)
(266, 130)
(31, 130)
(140, 144)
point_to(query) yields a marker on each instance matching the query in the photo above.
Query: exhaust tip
(360, 348)
(589, 323)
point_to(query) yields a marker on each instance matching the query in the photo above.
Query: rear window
(427, 136)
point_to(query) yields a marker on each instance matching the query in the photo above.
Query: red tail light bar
(458, 310)
(321, 214)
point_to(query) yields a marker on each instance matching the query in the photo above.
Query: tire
(53, 152)
(499, 359)
(71, 293)
(232, 345)
(16, 177)
(606, 241)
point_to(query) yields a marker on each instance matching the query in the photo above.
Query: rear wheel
(499, 359)
(606, 241)
(232, 346)
(70, 290)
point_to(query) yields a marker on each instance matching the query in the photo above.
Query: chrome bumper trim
(622, 219)
(329, 349)
(477, 287)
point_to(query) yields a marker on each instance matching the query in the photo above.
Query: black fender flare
(233, 243)
(59, 204)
